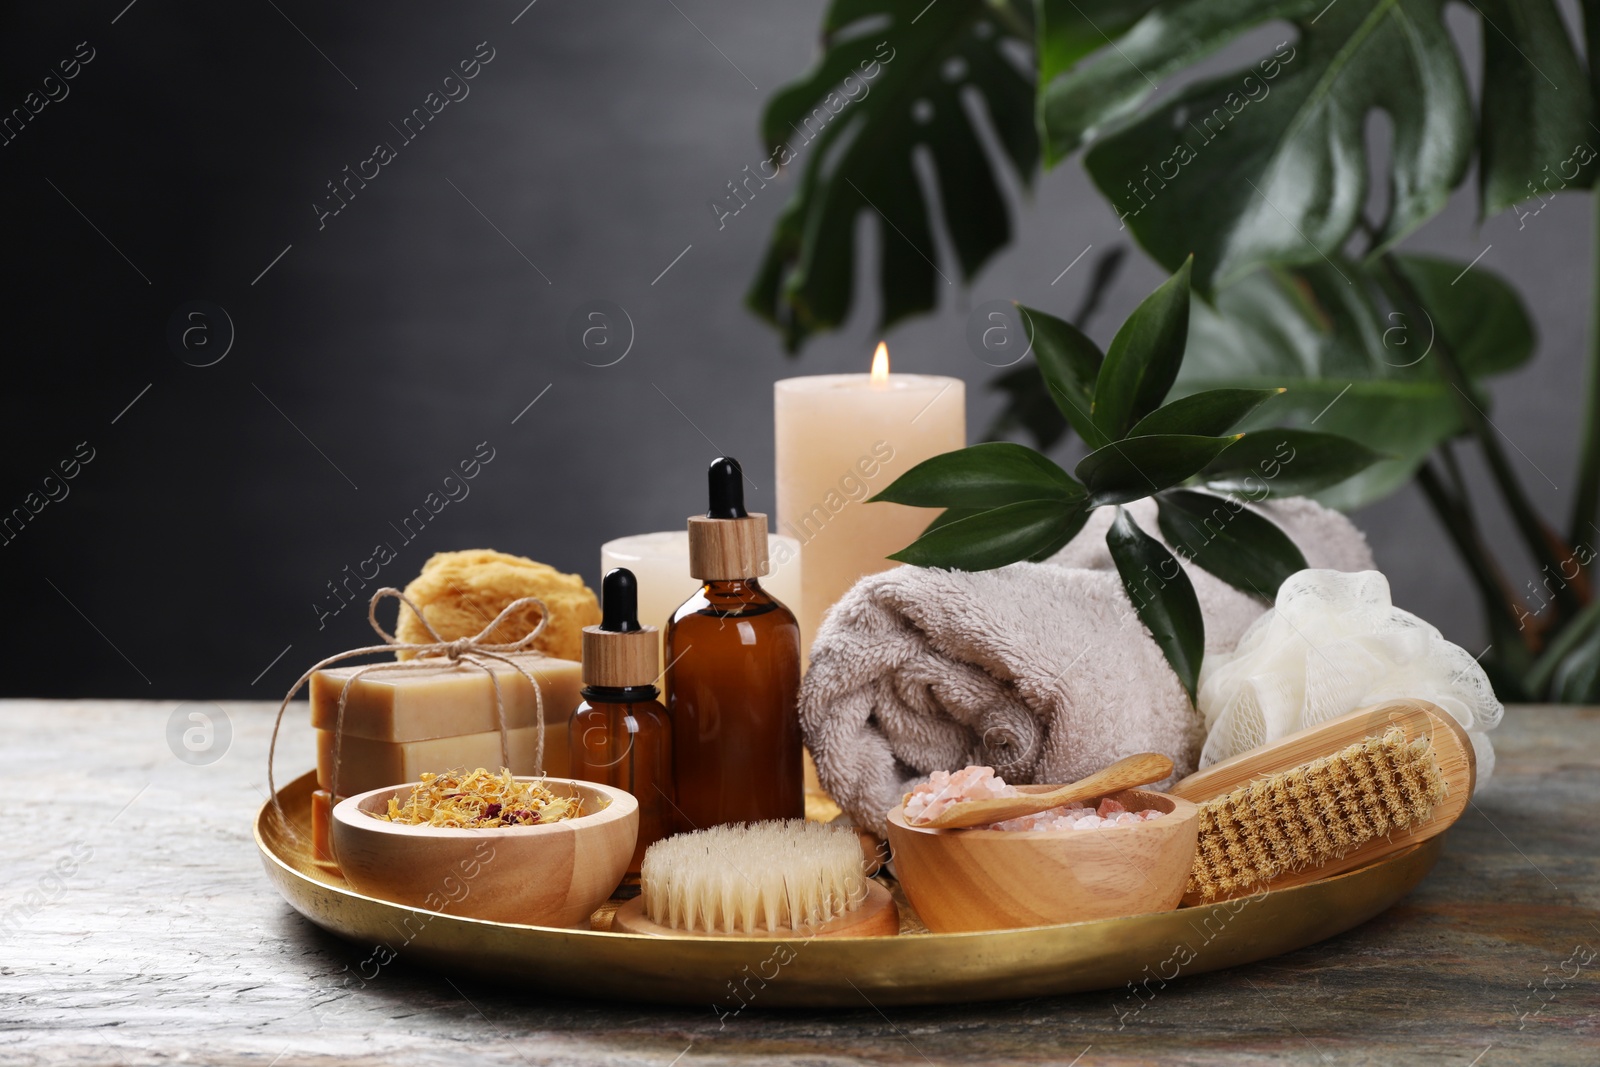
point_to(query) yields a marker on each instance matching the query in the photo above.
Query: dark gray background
(381, 349)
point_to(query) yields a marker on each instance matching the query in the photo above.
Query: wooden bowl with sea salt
(982, 879)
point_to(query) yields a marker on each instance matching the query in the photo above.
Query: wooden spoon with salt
(1127, 773)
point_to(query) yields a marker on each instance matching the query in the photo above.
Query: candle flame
(880, 363)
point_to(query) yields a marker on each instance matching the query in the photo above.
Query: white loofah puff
(1333, 643)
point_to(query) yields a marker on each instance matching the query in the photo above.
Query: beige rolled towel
(1040, 670)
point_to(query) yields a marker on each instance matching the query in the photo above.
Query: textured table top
(136, 926)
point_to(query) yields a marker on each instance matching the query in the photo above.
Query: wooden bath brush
(1327, 799)
(785, 878)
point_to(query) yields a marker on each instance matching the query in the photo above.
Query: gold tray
(1141, 951)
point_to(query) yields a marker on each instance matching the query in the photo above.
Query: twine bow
(476, 651)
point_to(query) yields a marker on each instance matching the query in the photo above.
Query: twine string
(477, 651)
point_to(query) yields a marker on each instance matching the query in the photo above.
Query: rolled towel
(1042, 671)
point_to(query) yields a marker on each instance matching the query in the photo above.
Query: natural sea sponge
(462, 592)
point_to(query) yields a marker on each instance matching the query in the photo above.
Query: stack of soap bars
(400, 723)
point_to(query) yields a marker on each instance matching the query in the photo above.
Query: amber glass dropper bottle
(733, 672)
(620, 735)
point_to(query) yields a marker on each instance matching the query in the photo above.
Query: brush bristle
(1311, 814)
(778, 876)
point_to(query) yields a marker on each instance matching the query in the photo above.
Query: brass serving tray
(913, 968)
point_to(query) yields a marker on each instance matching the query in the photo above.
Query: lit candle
(660, 562)
(840, 439)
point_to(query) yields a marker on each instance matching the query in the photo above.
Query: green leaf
(1030, 406)
(1242, 547)
(1070, 530)
(995, 537)
(1351, 369)
(1137, 467)
(1208, 414)
(1276, 462)
(949, 515)
(1269, 163)
(1401, 421)
(1526, 138)
(1144, 357)
(1576, 679)
(1480, 316)
(982, 476)
(1027, 407)
(856, 157)
(1162, 595)
(1072, 29)
(1069, 363)
(1568, 644)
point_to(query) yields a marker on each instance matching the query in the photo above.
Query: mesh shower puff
(1334, 643)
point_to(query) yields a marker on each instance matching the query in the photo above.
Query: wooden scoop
(1126, 773)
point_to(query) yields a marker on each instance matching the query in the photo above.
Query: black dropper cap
(725, 480)
(619, 602)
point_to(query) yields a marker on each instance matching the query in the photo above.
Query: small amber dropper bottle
(733, 673)
(620, 735)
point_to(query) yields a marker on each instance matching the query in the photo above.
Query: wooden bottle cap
(618, 660)
(727, 549)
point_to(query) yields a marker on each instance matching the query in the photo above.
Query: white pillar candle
(660, 562)
(840, 439)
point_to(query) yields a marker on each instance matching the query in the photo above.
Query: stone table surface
(137, 926)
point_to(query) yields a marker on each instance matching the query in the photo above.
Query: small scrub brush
(1327, 799)
(768, 879)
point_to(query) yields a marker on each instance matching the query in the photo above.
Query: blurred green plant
(1261, 174)
(865, 159)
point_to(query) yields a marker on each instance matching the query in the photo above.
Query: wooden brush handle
(1417, 718)
(1127, 773)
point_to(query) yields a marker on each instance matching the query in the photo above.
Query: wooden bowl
(960, 880)
(556, 874)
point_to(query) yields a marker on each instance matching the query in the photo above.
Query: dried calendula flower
(479, 800)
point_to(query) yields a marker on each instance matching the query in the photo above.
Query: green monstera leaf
(1350, 368)
(1269, 163)
(890, 83)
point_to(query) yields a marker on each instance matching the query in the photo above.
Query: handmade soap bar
(367, 764)
(420, 703)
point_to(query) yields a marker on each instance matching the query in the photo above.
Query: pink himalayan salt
(1075, 818)
(944, 789)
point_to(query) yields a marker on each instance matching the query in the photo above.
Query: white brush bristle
(746, 878)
